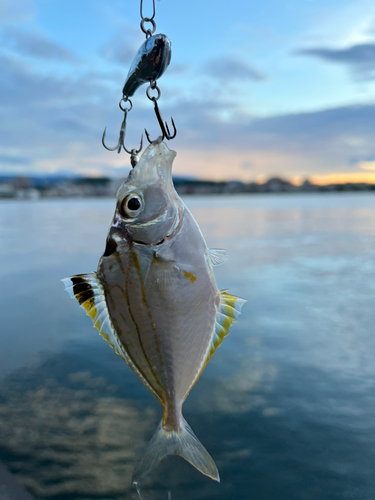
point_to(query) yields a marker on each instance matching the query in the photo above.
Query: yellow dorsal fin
(230, 309)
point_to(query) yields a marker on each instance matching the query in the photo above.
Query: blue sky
(256, 88)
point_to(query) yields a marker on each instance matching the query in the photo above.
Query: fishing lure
(149, 64)
(151, 61)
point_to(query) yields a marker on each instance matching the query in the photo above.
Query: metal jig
(121, 141)
(163, 125)
(149, 64)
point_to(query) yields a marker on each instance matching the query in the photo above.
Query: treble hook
(163, 127)
(121, 141)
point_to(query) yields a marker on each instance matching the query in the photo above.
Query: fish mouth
(137, 242)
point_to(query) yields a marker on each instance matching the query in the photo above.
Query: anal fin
(89, 292)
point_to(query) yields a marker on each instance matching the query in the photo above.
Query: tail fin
(183, 443)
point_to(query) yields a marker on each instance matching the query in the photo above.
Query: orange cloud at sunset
(367, 165)
(355, 177)
(254, 165)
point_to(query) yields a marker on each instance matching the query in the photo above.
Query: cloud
(46, 115)
(352, 126)
(14, 160)
(120, 54)
(229, 69)
(300, 144)
(246, 165)
(123, 47)
(60, 125)
(178, 69)
(367, 165)
(22, 89)
(357, 160)
(360, 58)
(35, 45)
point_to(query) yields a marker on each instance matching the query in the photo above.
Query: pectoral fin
(163, 272)
(164, 275)
(218, 256)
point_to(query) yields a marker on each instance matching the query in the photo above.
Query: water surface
(286, 406)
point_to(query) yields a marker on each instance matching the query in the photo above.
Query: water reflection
(286, 406)
(72, 427)
(66, 434)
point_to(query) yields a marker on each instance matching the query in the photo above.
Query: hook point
(148, 137)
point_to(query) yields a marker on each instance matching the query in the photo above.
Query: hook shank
(163, 126)
(121, 141)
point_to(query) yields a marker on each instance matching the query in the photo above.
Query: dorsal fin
(88, 291)
(229, 310)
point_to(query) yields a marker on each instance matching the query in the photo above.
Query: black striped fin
(88, 291)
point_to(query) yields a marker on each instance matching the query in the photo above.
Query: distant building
(308, 187)
(7, 190)
(27, 194)
(277, 185)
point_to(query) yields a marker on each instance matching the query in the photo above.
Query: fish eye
(132, 205)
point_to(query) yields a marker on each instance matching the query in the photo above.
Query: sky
(256, 89)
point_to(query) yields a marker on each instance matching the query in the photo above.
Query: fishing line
(139, 491)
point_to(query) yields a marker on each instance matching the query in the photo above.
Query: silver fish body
(151, 61)
(155, 300)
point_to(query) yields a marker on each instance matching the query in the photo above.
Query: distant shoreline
(81, 187)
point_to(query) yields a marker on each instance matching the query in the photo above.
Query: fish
(149, 64)
(155, 300)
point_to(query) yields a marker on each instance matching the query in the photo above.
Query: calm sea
(286, 406)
